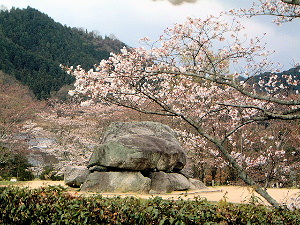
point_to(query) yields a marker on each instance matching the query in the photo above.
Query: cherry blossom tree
(283, 10)
(186, 75)
(268, 152)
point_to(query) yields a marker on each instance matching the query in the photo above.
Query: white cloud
(179, 2)
(284, 39)
(131, 20)
(160, 15)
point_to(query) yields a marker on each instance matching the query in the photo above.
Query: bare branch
(118, 103)
(269, 115)
(236, 129)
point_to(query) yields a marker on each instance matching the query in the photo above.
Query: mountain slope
(32, 46)
(287, 81)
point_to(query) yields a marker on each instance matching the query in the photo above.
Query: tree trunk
(240, 170)
(247, 179)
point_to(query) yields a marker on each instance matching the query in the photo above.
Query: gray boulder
(139, 146)
(74, 176)
(167, 182)
(116, 182)
(196, 184)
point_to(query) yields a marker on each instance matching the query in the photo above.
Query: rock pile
(140, 157)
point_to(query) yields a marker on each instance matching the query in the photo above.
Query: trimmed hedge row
(53, 205)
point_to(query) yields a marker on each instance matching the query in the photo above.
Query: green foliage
(53, 205)
(14, 165)
(50, 174)
(32, 46)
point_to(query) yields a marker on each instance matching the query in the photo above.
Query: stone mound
(143, 157)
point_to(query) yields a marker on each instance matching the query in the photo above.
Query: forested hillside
(274, 82)
(32, 46)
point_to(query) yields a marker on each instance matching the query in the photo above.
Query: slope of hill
(17, 105)
(32, 46)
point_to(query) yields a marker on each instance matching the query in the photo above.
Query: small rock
(196, 184)
(162, 182)
(74, 176)
(97, 168)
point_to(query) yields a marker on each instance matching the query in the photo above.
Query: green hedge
(53, 205)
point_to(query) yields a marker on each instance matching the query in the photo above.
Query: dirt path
(235, 194)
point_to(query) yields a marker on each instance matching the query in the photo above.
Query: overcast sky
(130, 20)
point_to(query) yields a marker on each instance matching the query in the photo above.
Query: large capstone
(116, 182)
(139, 146)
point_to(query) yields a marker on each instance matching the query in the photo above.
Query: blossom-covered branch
(284, 10)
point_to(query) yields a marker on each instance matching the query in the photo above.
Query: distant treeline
(32, 45)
